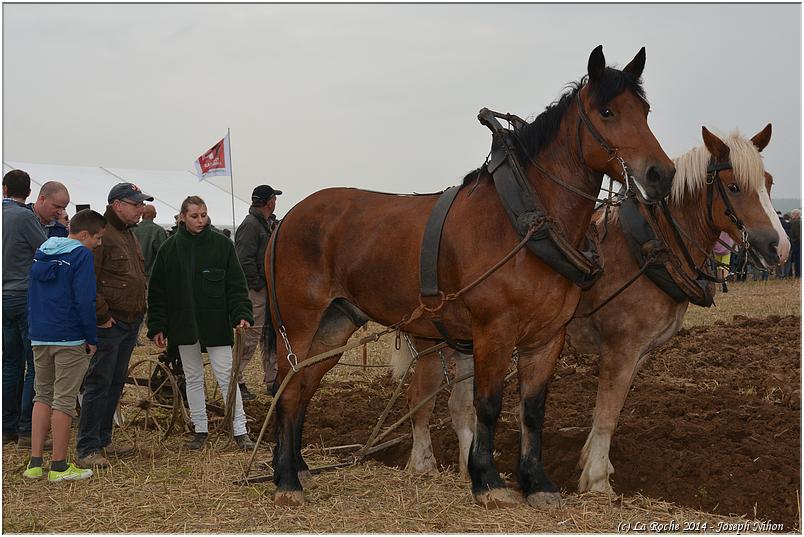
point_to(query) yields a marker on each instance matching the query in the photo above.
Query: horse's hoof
(289, 498)
(498, 498)
(544, 499)
(305, 478)
(422, 468)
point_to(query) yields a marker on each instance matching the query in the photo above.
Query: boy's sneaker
(92, 460)
(72, 473)
(33, 473)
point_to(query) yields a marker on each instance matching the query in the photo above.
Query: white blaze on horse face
(783, 247)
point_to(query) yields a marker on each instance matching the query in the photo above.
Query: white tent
(91, 185)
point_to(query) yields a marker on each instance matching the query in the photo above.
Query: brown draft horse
(334, 270)
(642, 317)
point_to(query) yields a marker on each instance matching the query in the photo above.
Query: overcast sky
(382, 97)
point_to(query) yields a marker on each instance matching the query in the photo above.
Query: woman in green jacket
(196, 295)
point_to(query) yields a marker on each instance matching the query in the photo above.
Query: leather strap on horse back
(523, 209)
(662, 267)
(428, 262)
(428, 258)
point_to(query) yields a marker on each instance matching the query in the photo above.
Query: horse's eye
(733, 187)
(606, 112)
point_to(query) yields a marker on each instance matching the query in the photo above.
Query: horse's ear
(636, 65)
(597, 64)
(715, 145)
(762, 138)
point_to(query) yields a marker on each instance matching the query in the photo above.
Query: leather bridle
(712, 180)
(611, 150)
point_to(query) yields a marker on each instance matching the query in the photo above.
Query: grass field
(166, 489)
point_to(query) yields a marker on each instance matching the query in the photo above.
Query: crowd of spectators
(76, 292)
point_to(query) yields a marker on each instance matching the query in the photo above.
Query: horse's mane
(691, 167)
(537, 134)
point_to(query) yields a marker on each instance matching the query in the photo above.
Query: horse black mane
(541, 131)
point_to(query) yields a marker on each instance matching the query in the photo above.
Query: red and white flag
(216, 161)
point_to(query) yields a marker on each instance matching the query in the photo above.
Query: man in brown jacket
(120, 307)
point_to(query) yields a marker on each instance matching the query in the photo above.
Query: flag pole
(231, 181)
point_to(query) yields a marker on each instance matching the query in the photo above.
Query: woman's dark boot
(198, 441)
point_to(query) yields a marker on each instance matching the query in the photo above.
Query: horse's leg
(461, 410)
(535, 368)
(618, 366)
(335, 329)
(339, 321)
(287, 427)
(493, 346)
(426, 379)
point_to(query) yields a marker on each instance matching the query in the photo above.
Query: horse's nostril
(653, 174)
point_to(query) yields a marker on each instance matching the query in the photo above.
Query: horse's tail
(400, 359)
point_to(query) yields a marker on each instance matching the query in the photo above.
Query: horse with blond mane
(719, 186)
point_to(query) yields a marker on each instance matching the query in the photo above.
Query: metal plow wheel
(151, 399)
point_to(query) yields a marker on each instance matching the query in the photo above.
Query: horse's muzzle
(765, 243)
(658, 181)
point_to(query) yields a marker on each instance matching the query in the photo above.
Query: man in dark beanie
(251, 240)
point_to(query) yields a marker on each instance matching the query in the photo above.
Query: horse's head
(738, 194)
(613, 128)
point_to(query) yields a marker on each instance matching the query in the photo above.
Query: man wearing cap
(119, 310)
(251, 240)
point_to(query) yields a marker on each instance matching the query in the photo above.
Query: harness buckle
(292, 359)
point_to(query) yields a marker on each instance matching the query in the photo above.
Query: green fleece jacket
(197, 290)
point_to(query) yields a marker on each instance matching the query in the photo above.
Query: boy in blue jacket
(61, 321)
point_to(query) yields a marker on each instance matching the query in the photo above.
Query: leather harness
(524, 210)
(639, 225)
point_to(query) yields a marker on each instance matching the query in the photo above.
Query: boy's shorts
(60, 371)
(725, 258)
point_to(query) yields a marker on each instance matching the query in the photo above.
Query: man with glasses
(120, 307)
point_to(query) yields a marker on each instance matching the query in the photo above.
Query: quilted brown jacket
(119, 273)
